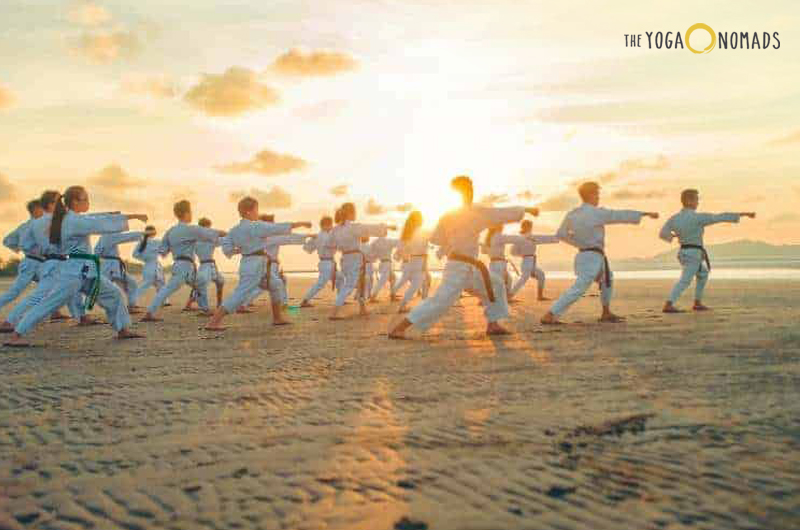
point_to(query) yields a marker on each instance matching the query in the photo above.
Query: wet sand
(666, 421)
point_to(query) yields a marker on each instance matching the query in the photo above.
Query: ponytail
(63, 202)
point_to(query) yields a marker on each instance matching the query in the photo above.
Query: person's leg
(176, 281)
(690, 267)
(202, 279)
(325, 273)
(219, 281)
(423, 316)
(606, 293)
(248, 283)
(426, 284)
(526, 270)
(700, 287)
(587, 266)
(56, 298)
(351, 271)
(540, 281)
(417, 279)
(277, 290)
(496, 310)
(131, 288)
(25, 275)
(384, 271)
(148, 280)
(112, 300)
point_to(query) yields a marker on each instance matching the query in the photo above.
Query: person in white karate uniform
(526, 249)
(382, 248)
(414, 245)
(180, 240)
(207, 271)
(494, 246)
(146, 251)
(325, 248)
(70, 229)
(347, 238)
(114, 268)
(19, 241)
(688, 226)
(39, 233)
(457, 234)
(585, 228)
(250, 238)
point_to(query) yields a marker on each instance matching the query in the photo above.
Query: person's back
(458, 230)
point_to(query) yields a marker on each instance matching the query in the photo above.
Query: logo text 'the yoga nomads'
(733, 40)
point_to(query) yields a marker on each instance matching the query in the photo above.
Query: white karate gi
(347, 237)
(416, 250)
(48, 273)
(584, 228)
(180, 240)
(112, 266)
(457, 233)
(526, 249)
(277, 278)
(78, 275)
(382, 248)
(688, 226)
(28, 269)
(152, 272)
(250, 238)
(325, 248)
(207, 272)
(496, 251)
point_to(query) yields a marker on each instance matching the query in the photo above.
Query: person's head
(150, 230)
(348, 212)
(326, 223)
(413, 222)
(267, 217)
(49, 199)
(35, 208)
(690, 199)
(463, 185)
(75, 199)
(525, 226)
(205, 222)
(490, 233)
(338, 217)
(590, 193)
(183, 211)
(248, 208)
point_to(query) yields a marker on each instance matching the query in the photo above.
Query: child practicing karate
(526, 249)
(585, 229)
(414, 246)
(152, 272)
(250, 239)
(457, 234)
(70, 230)
(180, 240)
(208, 271)
(688, 226)
(21, 240)
(382, 248)
(325, 248)
(114, 268)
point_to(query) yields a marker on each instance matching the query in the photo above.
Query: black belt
(607, 269)
(57, 257)
(703, 250)
(497, 259)
(487, 281)
(202, 261)
(35, 258)
(265, 280)
(256, 253)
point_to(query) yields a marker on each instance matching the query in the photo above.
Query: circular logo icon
(710, 31)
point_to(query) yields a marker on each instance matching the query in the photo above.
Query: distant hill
(736, 254)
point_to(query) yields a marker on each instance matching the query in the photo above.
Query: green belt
(91, 298)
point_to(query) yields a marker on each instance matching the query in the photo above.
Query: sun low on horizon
(306, 105)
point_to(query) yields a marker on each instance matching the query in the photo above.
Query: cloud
(627, 194)
(785, 218)
(114, 178)
(233, 93)
(155, 87)
(87, 13)
(6, 98)
(319, 63)
(374, 208)
(792, 138)
(492, 198)
(629, 167)
(8, 191)
(104, 46)
(527, 195)
(561, 202)
(340, 190)
(276, 198)
(266, 163)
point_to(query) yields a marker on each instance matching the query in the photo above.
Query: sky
(307, 104)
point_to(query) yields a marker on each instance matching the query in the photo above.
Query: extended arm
(12, 240)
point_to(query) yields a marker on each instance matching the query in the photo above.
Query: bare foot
(135, 310)
(611, 318)
(397, 335)
(244, 311)
(403, 310)
(188, 309)
(496, 329)
(17, 341)
(549, 319)
(700, 307)
(150, 318)
(215, 328)
(89, 321)
(281, 323)
(306, 304)
(125, 334)
(6, 327)
(670, 308)
(56, 317)
(204, 314)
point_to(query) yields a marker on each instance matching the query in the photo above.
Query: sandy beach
(666, 421)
